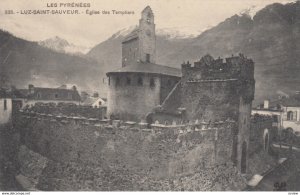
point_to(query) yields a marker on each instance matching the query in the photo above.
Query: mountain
(271, 38)
(63, 46)
(25, 62)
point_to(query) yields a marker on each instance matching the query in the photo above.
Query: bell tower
(139, 45)
(147, 36)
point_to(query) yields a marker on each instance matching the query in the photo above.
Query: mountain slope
(25, 62)
(271, 39)
(63, 46)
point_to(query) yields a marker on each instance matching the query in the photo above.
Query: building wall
(99, 103)
(210, 100)
(295, 125)
(294, 110)
(5, 115)
(130, 52)
(132, 102)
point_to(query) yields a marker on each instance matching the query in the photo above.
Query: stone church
(140, 84)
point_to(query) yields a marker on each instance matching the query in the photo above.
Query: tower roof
(150, 68)
(146, 9)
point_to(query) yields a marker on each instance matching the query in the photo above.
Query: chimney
(31, 89)
(74, 88)
(266, 104)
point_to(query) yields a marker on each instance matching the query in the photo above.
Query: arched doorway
(244, 158)
(266, 140)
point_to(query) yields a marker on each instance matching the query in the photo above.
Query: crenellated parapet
(142, 126)
(207, 68)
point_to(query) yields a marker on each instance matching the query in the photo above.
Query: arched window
(290, 116)
(5, 104)
(152, 82)
(140, 81)
(128, 80)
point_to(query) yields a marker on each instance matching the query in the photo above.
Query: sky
(187, 16)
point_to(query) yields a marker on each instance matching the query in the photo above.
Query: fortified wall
(60, 152)
(116, 155)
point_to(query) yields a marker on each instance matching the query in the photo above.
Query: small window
(100, 103)
(169, 83)
(117, 81)
(147, 57)
(108, 80)
(56, 96)
(128, 81)
(290, 116)
(152, 82)
(140, 81)
(38, 95)
(5, 104)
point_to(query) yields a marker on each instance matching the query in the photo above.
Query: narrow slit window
(152, 82)
(5, 104)
(140, 81)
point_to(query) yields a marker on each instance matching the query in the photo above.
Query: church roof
(132, 35)
(143, 67)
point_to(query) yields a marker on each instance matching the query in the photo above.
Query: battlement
(210, 69)
(177, 128)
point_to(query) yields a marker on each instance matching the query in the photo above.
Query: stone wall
(103, 155)
(69, 110)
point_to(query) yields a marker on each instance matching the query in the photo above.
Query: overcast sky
(191, 16)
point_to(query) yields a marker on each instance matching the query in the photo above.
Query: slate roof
(48, 94)
(143, 67)
(132, 35)
(292, 101)
(4, 93)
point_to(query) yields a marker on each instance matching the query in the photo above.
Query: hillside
(63, 46)
(25, 62)
(271, 38)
